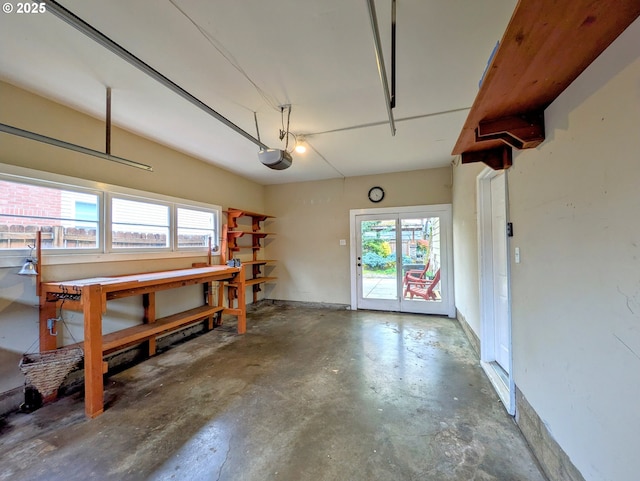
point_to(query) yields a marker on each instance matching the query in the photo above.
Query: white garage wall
(465, 243)
(575, 205)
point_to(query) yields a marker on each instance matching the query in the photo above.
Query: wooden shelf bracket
(498, 159)
(524, 131)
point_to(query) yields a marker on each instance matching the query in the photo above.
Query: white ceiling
(246, 56)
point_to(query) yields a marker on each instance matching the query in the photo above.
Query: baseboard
(470, 333)
(552, 459)
(317, 305)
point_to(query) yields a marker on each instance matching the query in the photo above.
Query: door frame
(442, 209)
(504, 387)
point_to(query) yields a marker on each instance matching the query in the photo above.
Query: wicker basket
(46, 370)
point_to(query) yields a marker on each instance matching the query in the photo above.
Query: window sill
(91, 258)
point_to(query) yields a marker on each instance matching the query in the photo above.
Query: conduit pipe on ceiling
(94, 34)
(380, 60)
(66, 145)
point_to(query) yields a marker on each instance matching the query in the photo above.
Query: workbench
(90, 296)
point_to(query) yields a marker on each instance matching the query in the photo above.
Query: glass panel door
(402, 260)
(377, 262)
(421, 264)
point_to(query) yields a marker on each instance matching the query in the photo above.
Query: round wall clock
(376, 194)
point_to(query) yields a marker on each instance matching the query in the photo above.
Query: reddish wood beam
(545, 47)
(498, 159)
(93, 387)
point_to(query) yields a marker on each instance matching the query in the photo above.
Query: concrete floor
(307, 394)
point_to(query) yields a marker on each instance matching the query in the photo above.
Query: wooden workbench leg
(242, 304)
(208, 295)
(220, 302)
(149, 305)
(93, 384)
(152, 346)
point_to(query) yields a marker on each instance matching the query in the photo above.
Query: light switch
(517, 255)
(343, 242)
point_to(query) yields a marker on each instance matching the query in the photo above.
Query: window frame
(215, 246)
(60, 186)
(106, 192)
(109, 248)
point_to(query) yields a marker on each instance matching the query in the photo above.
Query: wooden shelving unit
(254, 275)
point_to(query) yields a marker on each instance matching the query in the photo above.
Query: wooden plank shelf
(240, 233)
(258, 262)
(238, 248)
(142, 332)
(233, 214)
(139, 333)
(545, 47)
(260, 280)
(257, 280)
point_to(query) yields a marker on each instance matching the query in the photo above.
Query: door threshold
(501, 382)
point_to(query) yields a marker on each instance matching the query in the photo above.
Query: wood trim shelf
(546, 46)
(240, 233)
(140, 333)
(233, 213)
(259, 262)
(260, 280)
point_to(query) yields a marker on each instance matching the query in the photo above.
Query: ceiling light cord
(326, 161)
(226, 55)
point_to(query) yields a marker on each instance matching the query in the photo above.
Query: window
(139, 225)
(79, 216)
(26, 208)
(195, 227)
